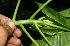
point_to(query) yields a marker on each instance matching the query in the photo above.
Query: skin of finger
(10, 45)
(17, 32)
(3, 19)
(14, 41)
(3, 36)
(7, 23)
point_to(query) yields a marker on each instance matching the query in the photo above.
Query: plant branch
(40, 9)
(28, 34)
(14, 16)
(38, 21)
(43, 35)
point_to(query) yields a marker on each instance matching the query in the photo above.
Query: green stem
(28, 34)
(14, 16)
(40, 9)
(43, 34)
(37, 21)
(58, 26)
(21, 44)
(14, 35)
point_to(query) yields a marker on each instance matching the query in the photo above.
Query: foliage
(51, 34)
(61, 39)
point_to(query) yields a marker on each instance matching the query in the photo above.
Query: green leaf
(68, 23)
(68, 44)
(49, 31)
(40, 42)
(61, 39)
(55, 15)
(65, 13)
(46, 29)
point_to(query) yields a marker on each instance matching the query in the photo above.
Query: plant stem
(28, 34)
(43, 34)
(40, 9)
(58, 26)
(14, 16)
(38, 21)
(14, 35)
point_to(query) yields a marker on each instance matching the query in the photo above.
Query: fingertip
(10, 45)
(17, 32)
(14, 41)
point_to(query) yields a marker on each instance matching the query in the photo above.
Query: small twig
(28, 34)
(43, 35)
(40, 9)
(14, 16)
(40, 22)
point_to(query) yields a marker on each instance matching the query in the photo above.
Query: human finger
(18, 32)
(3, 35)
(14, 41)
(10, 45)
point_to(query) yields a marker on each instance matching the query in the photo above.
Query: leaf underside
(55, 36)
(51, 13)
(61, 39)
(65, 13)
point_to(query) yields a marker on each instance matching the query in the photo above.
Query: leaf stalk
(28, 34)
(40, 9)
